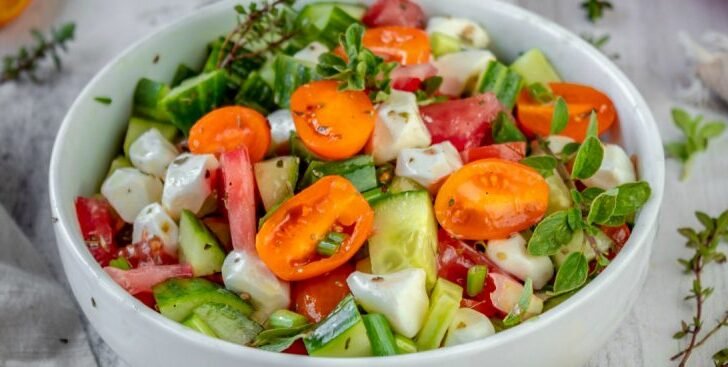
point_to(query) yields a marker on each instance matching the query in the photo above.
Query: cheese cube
(470, 34)
(153, 221)
(510, 255)
(188, 183)
(430, 165)
(152, 153)
(616, 169)
(128, 190)
(398, 126)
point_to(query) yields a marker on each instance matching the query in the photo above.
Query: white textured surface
(643, 33)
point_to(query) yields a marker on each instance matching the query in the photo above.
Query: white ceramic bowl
(564, 336)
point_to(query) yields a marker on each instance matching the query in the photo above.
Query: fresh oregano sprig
(697, 136)
(27, 60)
(595, 9)
(363, 70)
(704, 243)
(599, 42)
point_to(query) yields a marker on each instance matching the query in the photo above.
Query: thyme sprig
(595, 9)
(704, 243)
(27, 60)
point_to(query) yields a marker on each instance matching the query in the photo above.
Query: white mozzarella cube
(470, 34)
(398, 126)
(281, 127)
(245, 274)
(152, 153)
(401, 297)
(507, 293)
(511, 255)
(616, 169)
(311, 52)
(430, 165)
(153, 221)
(129, 190)
(188, 183)
(468, 325)
(460, 70)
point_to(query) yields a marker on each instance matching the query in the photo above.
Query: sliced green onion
(120, 263)
(380, 335)
(285, 319)
(476, 280)
(444, 302)
(329, 245)
(194, 322)
(405, 345)
(373, 194)
(540, 92)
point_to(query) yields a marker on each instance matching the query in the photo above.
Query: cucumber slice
(359, 170)
(195, 97)
(228, 323)
(177, 298)
(276, 179)
(182, 73)
(256, 94)
(444, 303)
(198, 246)
(404, 234)
(118, 162)
(341, 334)
(197, 324)
(290, 74)
(503, 82)
(402, 184)
(147, 95)
(559, 195)
(442, 44)
(534, 67)
(138, 126)
(325, 22)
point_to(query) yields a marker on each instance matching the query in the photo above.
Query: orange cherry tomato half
(228, 129)
(332, 123)
(315, 298)
(490, 199)
(11, 9)
(406, 45)
(287, 241)
(581, 99)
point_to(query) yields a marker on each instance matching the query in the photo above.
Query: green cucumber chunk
(300, 150)
(138, 126)
(182, 73)
(195, 97)
(195, 323)
(358, 169)
(443, 44)
(147, 96)
(534, 67)
(228, 323)
(501, 81)
(118, 162)
(341, 334)
(444, 302)
(405, 345)
(256, 94)
(325, 22)
(198, 246)
(276, 179)
(404, 234)
(290, 74)
(402, 184)
(178, 297)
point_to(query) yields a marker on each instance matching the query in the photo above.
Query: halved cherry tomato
(394, 12)
(99, 224)
(511, 151)
(11, 9)
(618, 235)
(535, 117)
(491, 198)
(229, 128)
(405, 45)
(315, 298)
(287, 241)
(334, 124)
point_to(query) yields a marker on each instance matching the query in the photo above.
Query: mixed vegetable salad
(368, 182)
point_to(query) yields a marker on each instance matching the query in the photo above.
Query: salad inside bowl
(348, 181)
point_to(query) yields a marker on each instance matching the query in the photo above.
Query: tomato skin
(147, 298)
(147, 252)
(510, 151)
(535, 118)
(237, 172)
(297, 348)
(228, 129)
(394, 12)
(409, 78)
(142, 279)
(405, 45)
(464, 122)
(287, 240)
(491, 199)
(315, 298)
(99, 224)
(618, 235)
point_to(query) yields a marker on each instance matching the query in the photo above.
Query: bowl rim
(68, 235)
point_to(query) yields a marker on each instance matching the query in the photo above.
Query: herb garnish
(363, 70)
(103, 100)
(599, 42)
(704, 243)
(697, 136)
(26, 61)
(516, 315)
(595, 9)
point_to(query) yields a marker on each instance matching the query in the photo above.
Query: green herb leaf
(602, 208)
(560, 116)
(697, 137)
(103, 100)
(544, 164)
(593, 128)
(540, 92)
(572, 274)
(505, 129)
(569, 149)
(515, 316)
(27, 59)
(631, 197)
(588, 158)
(595, 9)
(550, 234)
(278, 340)
(120, 263)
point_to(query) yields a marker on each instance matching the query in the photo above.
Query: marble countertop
(644, 34)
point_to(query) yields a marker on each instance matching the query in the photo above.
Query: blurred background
(642, 39)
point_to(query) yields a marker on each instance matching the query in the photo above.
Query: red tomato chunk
(464, 122)
(394, 12)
